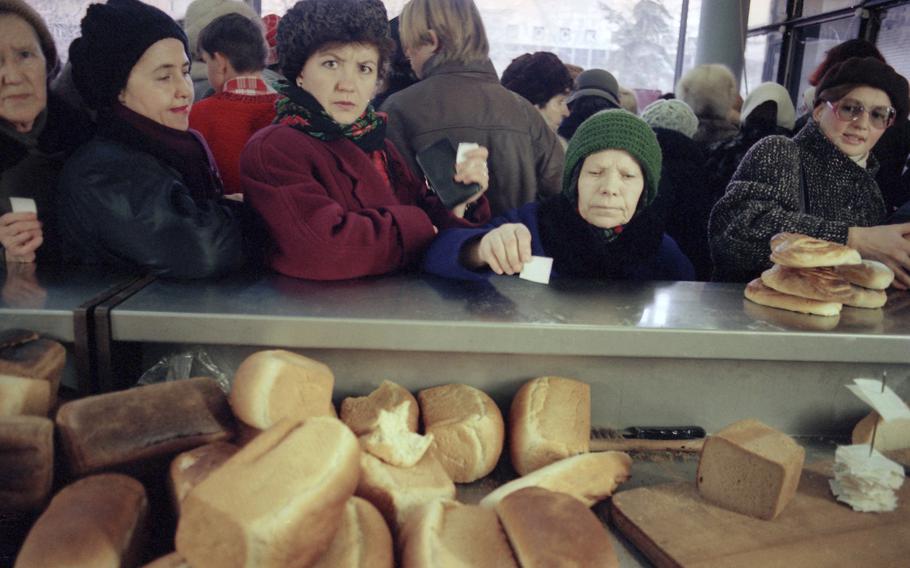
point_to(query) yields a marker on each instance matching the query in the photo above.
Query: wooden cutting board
(674, 527)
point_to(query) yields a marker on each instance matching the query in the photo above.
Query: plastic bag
(178, 366)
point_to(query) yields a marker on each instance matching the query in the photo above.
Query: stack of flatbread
(818, 277)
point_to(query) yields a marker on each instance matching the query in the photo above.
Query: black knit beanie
(537, 77)
(311, 24)
(114, 37)
(32, 18)
(873, 73)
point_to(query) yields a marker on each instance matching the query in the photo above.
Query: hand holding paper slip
(537, 269)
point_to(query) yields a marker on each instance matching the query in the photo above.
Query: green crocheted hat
(619, 130)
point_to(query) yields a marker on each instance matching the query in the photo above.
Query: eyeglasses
(848, 110)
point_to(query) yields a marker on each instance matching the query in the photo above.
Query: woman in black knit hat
(337, 198)
(38, 131)
(544, 81)
(144, 192)
(821, 183)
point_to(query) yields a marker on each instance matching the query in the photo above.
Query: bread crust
(822, 284)
(360, 413)
(866, 298)
(757, 292)
(362, 541)
(26, 462)
(870, 274)
(802, 251)
(190, 468)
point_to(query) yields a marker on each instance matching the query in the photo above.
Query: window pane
(815, 40)
(814, 7)
(691, 36)
(762, 59)
(894, 37)
(764, 12)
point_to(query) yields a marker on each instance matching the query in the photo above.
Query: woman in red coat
(335, 195)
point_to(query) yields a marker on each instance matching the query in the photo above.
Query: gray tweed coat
(763, 199)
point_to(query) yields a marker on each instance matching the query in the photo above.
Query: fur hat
(598, 83)
(614, 129)
(200, 13)
(773, 92)
(871, 72)
(114, 37)
(671, 114)
(310, 24)
(270, 21)
(709, 89)
(537, 77)
(32, 18)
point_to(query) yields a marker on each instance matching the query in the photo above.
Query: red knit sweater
(227, 121)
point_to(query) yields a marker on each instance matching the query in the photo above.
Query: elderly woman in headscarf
(336, 196)
(37, 132)
(820, 183)
(144, 192)
(608, 222)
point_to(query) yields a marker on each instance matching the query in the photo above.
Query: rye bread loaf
(757, 292)
(822, 284)
(24, 396)
(23, 354)
(467, 427)
(277, 502)
(446, 534)
(750, 468)
(26, 462)
(548, 528)
(96, 522)
(870, 274)
(143, 428)
(272, 385)
(802, 251)
(362, 541)
(191, 467)
(360, 413)
(549, 419)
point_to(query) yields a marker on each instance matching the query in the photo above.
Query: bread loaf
(24, 355)
(134, 429)
(550, 419)
(191, 467)
(788, 319)
(277, 502)
(890, 435)
(24, 395)
(547, 528)
(467, 427)
(96, 522)
(363, 541)
(757, 292)
(360, 413)
(869, 274)
(866, 298)
(822, 284)
(272, 385)
(26, 462)
(587, 477)
(397, 491)
(447, 534)
(393, 442)
(803, 251)
(750, 468)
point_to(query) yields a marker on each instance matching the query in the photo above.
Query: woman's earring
(299, 82)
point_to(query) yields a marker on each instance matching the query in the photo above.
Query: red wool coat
(332, 215)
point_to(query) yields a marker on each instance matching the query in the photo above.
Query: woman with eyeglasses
(821, 182)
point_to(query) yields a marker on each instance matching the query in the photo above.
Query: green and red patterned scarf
(299, 109)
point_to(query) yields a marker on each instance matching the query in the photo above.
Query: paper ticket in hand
(885, 402)
(537, 269)
(22, 205)
(464, 148)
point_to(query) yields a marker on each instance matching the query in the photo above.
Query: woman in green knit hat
(606, 223)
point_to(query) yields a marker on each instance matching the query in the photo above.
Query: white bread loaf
(467, 427)
(363, 541)
(393, 442)
(757, 292)
(870, 274)
(96, 522)
(24, 354)
(547, 528)
(792, 320)
(447, 534)
(866, 298)
(890, 435)
(587, 477)
(802, 251)
(271, 385)
(190, 468)
(172, 560)
(361, 412)
(750, 468)
(550, 419)
(26, 462)
(140, 430)
(397, 491)
(277, 502)
(23, 395)
(822, 284)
